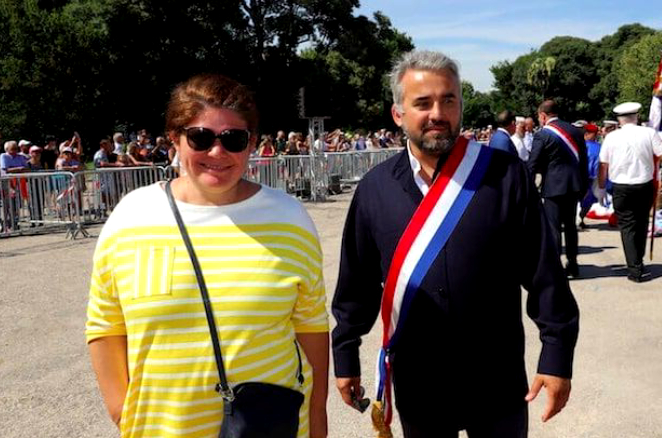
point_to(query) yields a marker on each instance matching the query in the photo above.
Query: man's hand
(601, 195)
(558, 392)
(350, 389)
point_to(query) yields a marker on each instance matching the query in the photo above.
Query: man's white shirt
(522, 150)
(417, 169)
(629, 153)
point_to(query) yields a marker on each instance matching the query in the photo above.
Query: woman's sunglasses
(202, 139)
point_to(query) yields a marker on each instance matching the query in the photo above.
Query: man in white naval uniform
(627, 157)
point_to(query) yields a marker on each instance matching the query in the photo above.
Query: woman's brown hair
(190, 98)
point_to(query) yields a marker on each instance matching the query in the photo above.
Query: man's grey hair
(9, 144)
(629, 118)
(419, 60)
(117, 136)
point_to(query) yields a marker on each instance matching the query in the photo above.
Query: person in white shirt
(518, 138)
(529, 124)
(119, 148)
(628, 156)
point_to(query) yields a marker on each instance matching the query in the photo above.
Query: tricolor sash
(426, 234)
(566, 138)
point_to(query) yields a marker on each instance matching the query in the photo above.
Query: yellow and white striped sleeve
(104, 311)
(310, 315)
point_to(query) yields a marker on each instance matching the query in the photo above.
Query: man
(529, 124)
(505, 122)
(559, 155)
(119, 148)
(518, 138)
(50, 153)
(105, 157)
(319, 145)
(593, 153)
(24, 146)
(628, 157)
(463, 320)
(607, 127)
(11, 162)
(281, 142)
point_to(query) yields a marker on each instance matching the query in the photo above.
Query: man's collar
(550, 120)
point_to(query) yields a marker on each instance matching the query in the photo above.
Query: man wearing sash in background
(443, 235)
(559, 155)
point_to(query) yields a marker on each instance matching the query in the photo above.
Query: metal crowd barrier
(39, 202)
(49, 201)
(102, 189)
(293, 174)
(349, 167)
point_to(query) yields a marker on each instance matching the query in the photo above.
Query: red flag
(657, 87)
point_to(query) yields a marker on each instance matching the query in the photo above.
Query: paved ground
(47, 388)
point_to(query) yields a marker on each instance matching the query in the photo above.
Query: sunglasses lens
(202, 139)
(234, 140)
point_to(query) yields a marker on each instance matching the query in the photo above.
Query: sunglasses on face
(202, 139)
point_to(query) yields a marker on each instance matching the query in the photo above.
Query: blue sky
(478, 34)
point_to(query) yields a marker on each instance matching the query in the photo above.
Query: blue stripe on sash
(382, 372)
(442, 234)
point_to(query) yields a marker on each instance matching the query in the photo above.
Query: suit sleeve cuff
(346, 363)
(556, 360)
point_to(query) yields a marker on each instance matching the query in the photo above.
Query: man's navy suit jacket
(465, 323)
(501, 140)
(562, 173)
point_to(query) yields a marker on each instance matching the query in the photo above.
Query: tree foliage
(103, 65)
(637, 68)
(586, 78)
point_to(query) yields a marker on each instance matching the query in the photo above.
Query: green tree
(478, 111)
(607, 56)
(539, 74)
(636, 71)
(348, 81)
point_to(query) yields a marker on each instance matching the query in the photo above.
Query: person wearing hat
(627, 157)
(607, 127)
(593, 153)
(559, 156)
(24, 146)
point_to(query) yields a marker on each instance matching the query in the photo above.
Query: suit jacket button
(443, 293)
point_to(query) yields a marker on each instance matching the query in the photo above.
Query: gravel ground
(47, 387)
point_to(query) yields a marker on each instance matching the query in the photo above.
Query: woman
(266, 148)
(67, 161)
(36, 188)
(261, 260)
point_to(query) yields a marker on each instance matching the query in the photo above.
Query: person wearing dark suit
(505, 129)
(558, 154)
(458, 363)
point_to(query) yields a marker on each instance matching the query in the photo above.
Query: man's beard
(438, 143)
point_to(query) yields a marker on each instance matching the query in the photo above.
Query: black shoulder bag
(251, 409)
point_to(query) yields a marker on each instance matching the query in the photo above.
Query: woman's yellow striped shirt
(262, 263)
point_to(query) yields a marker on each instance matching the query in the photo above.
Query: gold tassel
(379, 422)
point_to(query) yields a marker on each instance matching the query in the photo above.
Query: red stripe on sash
(413, 228)
(569, 140)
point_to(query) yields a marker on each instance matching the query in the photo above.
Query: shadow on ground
(592, 249)
(587, 272)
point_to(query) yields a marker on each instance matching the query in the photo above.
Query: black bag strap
(222, 387)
